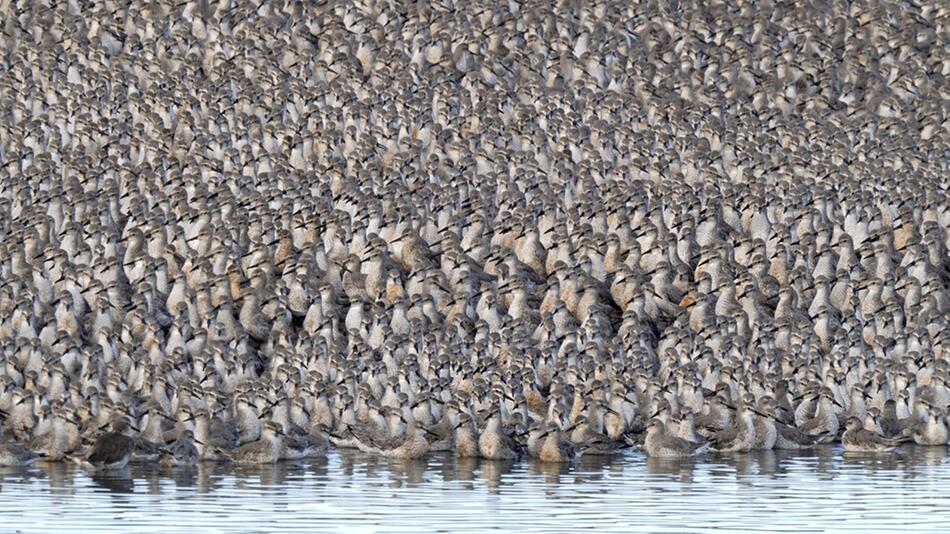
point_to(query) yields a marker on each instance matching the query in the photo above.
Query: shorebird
(741, 436)
(182, 452)
(789, 437)
(660, 444)
(62, 438)
(411, 444)
(590, 442)
(933, 430)
(825, 421)
(266, 450)
(212, 439)
(14, 454)
(857, 439)
(766, 432)
(113, 449)
(554, 447)
(466, 438)
(493, 442)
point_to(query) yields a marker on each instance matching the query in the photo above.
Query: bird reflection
(61, 478)
(551, 473)
(118, 481)
(273, 477)
(184, 476)
(347, 463)
(680, 469)
(491, 471)
(926, 456)
(873, 462)
(205, 480)
(825, 461)
(407, 472)
(318, 467)
(462, 469)
(766, 461)
(593, 467)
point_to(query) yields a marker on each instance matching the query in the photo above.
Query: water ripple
(771, 491)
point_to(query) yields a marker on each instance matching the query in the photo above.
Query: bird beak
(687, 302)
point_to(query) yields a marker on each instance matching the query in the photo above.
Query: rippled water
(351, 492)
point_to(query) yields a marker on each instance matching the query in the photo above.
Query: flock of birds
(248, 231)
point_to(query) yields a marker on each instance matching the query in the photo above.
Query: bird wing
(811, 425)
(251, 449)
(793, 434)
(111, 447)
(727, 435)
(673, 442)
(388, 443)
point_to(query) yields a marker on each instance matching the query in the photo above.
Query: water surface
(351, 492)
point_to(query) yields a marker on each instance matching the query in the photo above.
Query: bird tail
(81, 462)
(634, 439)
(222, 454)
(39, 456)
(902, 439)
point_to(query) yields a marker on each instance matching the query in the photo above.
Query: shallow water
(351, 492)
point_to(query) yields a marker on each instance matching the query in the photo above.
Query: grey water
(800, 491)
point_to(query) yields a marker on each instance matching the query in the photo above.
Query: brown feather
(110, 448)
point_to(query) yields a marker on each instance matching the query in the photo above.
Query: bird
(466, 440)
(741, 436)
(113, 449)
(412, 444)
(857, 439)
(554, 447)
(182, 452)
(266, 450)
(16, 455)
(494, 443)
(933, 430)
(789, 437)
(662, 445)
